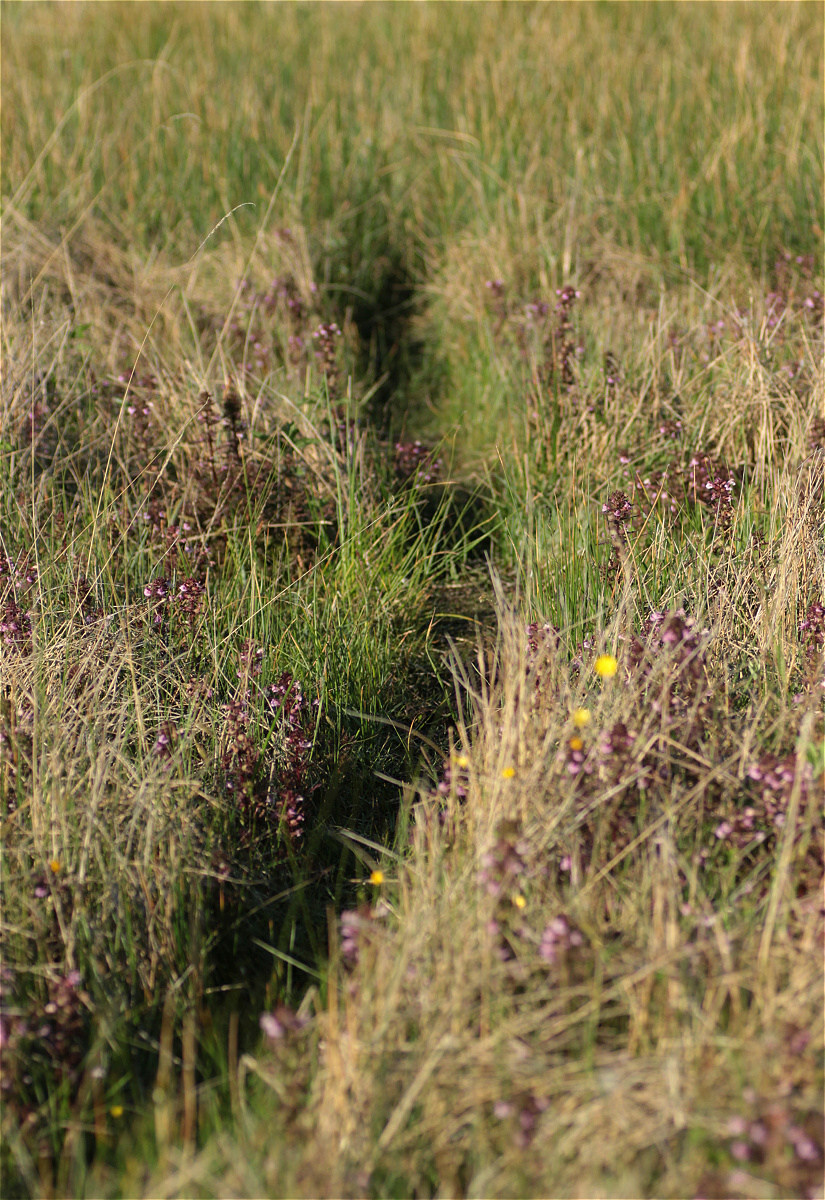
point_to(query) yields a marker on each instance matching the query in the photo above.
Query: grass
(370, 376)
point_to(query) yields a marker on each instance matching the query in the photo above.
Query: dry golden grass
(589, 960)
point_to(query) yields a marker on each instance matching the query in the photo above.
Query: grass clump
(206, 594)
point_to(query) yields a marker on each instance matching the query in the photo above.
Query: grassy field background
(411, 599)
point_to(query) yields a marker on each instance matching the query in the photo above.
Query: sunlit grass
(411, 599)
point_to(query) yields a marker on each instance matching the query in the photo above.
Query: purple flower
(156, 589)
(281, 1022)
(558, 938)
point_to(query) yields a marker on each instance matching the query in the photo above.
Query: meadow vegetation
(412, 621)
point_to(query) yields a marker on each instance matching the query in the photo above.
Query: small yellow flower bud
(581, 717)
(377, 878)
(508, 772)
(606, 666)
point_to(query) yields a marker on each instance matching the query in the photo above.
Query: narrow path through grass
(411, 600)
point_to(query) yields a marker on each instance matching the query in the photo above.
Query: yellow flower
(575, 743)
(581, 717)
(519, 901)
(377, 878)
(116, 1110)
(606, 666)
(462, 760)
(508, 772)
(55, 866)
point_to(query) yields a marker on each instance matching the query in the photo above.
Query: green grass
(300, 717)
